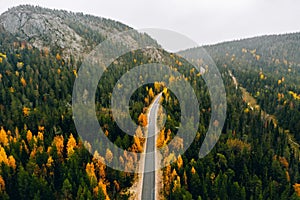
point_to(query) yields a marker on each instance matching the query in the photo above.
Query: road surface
(148, 187)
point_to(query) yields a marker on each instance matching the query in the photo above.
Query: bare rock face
(42, 29)
(72, 33)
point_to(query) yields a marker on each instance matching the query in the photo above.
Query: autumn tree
(71, 145)
(142, 119)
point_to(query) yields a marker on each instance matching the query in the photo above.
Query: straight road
(148, 187)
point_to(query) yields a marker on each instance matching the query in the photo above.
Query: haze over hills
(42, 156)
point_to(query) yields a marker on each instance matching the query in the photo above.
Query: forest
(43, 157)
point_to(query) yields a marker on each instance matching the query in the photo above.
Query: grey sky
(204, 21)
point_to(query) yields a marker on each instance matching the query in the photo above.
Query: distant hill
(271, 53)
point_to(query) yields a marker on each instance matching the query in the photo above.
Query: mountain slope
(72, 33)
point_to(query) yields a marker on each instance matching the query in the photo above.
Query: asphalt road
(148, 189)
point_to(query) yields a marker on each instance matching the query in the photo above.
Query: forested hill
(269, 68)
(71, 33)
(270, 48)
(42, 156)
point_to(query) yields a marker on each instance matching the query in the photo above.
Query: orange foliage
(12, 162)
(26, 111)
(143, 119)
(284, 162)
(90, 170)
(151, 94)
(288, 178)
(49, 161)
(3, 156)
(102, 185)
(117, 185)
(59, 143)
(193, 171)
(29, 136)
(58, 57)
(71, 145)
(297, 189)
(160, 139)
(23, 82)
(167, 179)
(179, 162)
(138, 140)
(177, 184)
(2, 184)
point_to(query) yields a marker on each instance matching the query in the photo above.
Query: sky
(203, 21)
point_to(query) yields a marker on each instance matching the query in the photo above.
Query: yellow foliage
(295, 95)
(11, 89)
(138, 140)
(160, 139)
(157, 86)
(238, 144)
(90, 170)
(3, 137)
(29, 136)
(20, 65)
(174, 174)
(146, 101)
(142, 119)
(103, 186)
(49, 161)
(177, 184)
(12, 162)
(179, 162)
(151, 94)
(1, 60)
(71, 145)
(75, 73)
(3, 55)
(288, 178)
(58, 57)
(3, 156)
(41, 128)
(193, 171)
(40, 136)
(108, 156)
(59, 143)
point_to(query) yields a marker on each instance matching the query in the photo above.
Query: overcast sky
(204, 21)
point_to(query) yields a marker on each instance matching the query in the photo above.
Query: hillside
(43, 157)
(71, 33)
